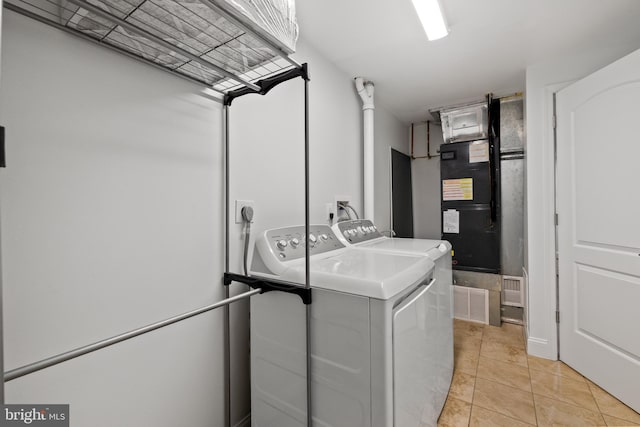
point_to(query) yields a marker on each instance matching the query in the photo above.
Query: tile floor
(495, 383)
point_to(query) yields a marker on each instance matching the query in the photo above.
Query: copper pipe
(412, 156)
(428, 156)
(412, 141)
(428, 139)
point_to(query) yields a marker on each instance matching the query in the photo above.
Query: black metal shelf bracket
(3, 161)
(266, 285)
(268, 83)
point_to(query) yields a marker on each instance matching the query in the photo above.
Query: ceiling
(489, 46)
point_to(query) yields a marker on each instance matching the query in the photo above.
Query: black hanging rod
(269, 83)
(266, 285)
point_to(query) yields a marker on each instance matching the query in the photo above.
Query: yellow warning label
(457, 189)
(453, 253)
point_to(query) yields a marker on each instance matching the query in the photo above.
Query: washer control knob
(281, 244)
(312, 239)
(360, 230)
(294, 242)
(323, 236)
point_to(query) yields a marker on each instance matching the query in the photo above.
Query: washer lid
(403, 245)
(367, 273)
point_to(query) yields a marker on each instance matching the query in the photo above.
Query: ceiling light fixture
(430, 14)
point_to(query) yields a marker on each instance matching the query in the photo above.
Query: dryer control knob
(324, 237)
(294, 242)
(281, 244)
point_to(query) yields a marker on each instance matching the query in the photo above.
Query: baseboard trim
(540, 348)
(245, 422)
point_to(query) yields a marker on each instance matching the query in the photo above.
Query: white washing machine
(362, 234)
(373, 324)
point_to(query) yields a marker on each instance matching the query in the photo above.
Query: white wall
(542, 80)
(388, 133)
(111, 202)
(113, 218)
(425, 174)
(267, 150)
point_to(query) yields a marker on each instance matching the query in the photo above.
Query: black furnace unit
(470, 195)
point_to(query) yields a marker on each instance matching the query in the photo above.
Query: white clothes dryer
(362, 234)
(373, 317)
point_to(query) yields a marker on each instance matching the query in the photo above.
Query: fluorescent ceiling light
(430, 14)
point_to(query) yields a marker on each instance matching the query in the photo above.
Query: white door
(598, 201)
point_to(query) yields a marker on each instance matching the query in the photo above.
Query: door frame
(553, 255)
(545, 341)
(556, 263)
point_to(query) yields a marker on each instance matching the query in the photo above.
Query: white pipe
(365, 90)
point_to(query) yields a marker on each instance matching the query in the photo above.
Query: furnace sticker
(451, 222)
(479, 152)
(457, 189)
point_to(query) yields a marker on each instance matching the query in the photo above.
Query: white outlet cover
(241, 204)
(330, 208)
(337, 199)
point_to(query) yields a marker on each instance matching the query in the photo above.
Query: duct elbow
(365, 89)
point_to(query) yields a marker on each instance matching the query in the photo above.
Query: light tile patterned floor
(495, 383)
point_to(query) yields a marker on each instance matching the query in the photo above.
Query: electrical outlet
(338, 200)
(329, 209)
(241, 204)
